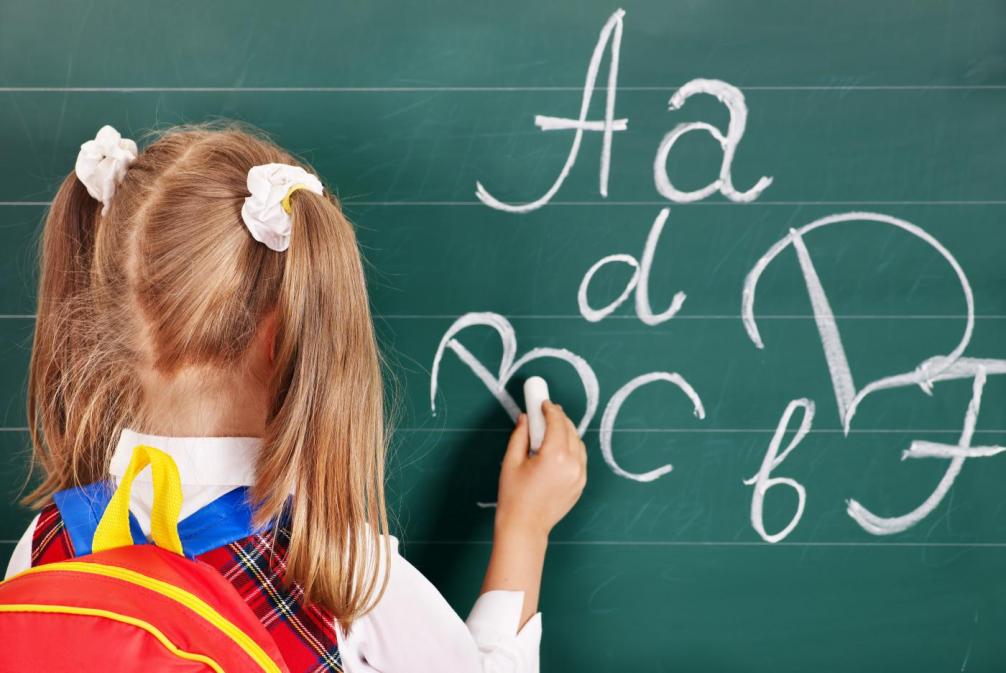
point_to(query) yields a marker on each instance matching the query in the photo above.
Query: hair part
(170, 279)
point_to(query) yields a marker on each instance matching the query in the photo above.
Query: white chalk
(535, 392)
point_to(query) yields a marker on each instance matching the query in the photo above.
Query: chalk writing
(611, 33)
(848, 396)
(508, 365)
(640, 277)
(732, 97)
(763, 481)
(615, 404)
(879, 525)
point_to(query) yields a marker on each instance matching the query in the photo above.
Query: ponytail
(325, 436)
(69, 408)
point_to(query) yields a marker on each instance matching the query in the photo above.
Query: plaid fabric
(49, 541)
(255, 566)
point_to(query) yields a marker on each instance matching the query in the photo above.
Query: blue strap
(81, 509)
(224, 520)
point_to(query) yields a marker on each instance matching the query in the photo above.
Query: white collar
(204, 461)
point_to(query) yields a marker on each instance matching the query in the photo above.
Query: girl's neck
(203, 402)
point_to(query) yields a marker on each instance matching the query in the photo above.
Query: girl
(207, 297)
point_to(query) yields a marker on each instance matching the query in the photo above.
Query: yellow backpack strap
(113, 529)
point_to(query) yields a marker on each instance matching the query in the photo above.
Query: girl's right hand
(536, 492)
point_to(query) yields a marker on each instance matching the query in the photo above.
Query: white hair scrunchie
(102, 163)
(266, 212)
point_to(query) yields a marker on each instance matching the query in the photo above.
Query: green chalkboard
(881, 238)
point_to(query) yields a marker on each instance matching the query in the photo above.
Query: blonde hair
(169, 278)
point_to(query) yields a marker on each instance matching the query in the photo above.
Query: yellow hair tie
(286, 199)
(271, 185)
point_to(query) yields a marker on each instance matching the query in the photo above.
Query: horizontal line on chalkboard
(685, 543)
(479, 89)
(392, 204)
(577, 204)
(738, 431)
(574, 316)
(687, 431)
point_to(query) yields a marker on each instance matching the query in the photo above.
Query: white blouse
(412, 628)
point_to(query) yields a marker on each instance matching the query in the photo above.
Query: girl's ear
(271, 335)
(266, 337)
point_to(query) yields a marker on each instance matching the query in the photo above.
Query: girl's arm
(413, 628)
(535, 493)
(20, 559)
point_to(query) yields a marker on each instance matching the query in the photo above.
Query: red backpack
(127, 606)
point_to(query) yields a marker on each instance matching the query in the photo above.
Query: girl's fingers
(577, 447)
(555, 426)
(520, 440)
(573, 436)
